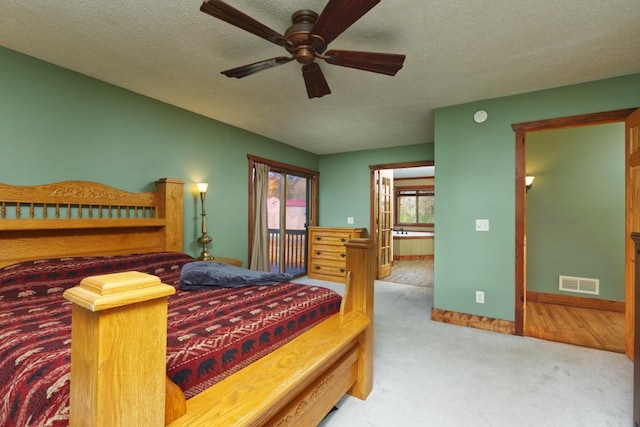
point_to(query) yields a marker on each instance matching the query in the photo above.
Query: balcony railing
(295, 250)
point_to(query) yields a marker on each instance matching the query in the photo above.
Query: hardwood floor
(415, 272)
(586, 327)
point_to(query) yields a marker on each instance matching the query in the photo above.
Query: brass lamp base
(206, 256)
(204, 240)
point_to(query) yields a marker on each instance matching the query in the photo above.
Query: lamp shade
(202, 187)
(528, 180)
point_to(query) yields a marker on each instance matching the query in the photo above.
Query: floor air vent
(579, 284)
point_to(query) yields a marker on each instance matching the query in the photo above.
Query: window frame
(430, 190)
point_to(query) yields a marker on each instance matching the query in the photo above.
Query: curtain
(260, 250)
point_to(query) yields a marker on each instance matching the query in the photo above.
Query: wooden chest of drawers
(327, 253)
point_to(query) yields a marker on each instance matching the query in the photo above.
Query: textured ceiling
(457, 51)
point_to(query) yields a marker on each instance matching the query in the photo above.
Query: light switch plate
(349, 220)
(482, 225)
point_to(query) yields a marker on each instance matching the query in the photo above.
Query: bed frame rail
(295, 385)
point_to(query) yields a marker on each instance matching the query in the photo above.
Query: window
(414, 206)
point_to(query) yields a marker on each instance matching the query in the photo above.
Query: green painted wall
(575, 210)
(476, 180)
(345, 181)
(57, 125)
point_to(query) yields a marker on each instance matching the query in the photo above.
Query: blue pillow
(211, 274)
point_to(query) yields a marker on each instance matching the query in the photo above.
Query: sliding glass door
(291, 206)
(288, 213)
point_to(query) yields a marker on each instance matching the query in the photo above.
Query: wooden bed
(118, 370)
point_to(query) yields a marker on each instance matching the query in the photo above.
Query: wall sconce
(528, 181)
(204, 240)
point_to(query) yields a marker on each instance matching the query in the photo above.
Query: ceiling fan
(307, 39)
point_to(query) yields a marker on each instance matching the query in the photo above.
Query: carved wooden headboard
(75, 218)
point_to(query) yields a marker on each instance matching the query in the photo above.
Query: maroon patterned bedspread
(211, 333)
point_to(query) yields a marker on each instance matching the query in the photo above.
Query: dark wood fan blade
(383, 63)
(337, 16)
(314, 80)
(247, 70)
(223, 11)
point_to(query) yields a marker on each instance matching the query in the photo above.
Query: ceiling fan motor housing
(298, 35)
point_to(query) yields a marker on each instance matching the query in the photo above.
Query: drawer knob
(343, 240)
(318, 238)
(343, 255)
(342, 270)
(317, 267)
(318, 253)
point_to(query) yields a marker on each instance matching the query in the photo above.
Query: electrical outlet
(349, 220)
(479, 297)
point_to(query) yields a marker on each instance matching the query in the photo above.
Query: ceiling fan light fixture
(305, 55)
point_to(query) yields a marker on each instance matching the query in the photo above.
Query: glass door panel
(287, 222)
(274, 220)
(385, 222)
(295, 232)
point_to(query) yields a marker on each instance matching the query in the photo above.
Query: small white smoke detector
(480, 116)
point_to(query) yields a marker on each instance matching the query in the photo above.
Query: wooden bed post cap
(171, 180)
(360, 242)
(97, 293)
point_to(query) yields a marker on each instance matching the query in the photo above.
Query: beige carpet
(433, 374)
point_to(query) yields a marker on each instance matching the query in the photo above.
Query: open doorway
(402, 195)
(574, 236)
(522, 129)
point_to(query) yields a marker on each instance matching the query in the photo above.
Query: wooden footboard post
(118, 350)
(361, 263)
(170, 208)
